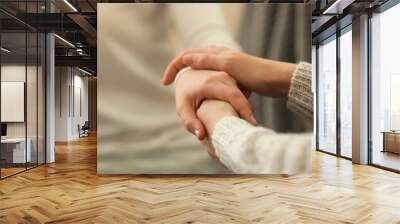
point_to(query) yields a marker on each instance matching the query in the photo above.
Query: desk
(17, 150)
(391, 141)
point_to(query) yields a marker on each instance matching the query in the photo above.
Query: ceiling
(76, 22)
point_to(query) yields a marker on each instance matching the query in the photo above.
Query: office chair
(84, 130)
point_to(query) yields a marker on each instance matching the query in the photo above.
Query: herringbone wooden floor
(70, 191)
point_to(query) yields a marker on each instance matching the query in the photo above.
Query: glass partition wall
(385, 89)
(334, 94)
(334, 105)
(13, 89)
(346, 95)
(327, 95)
(22, 98)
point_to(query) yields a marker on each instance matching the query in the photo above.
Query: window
(22, 78)
(334, 106)
(346, 92)
(385, 89)
(327, 95)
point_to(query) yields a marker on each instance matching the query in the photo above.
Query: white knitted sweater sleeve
(244, 148)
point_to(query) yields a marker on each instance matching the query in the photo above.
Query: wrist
(276, 78)
(180, 73)
(212, 111)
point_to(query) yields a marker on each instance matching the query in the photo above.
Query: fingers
(190, 120)
(247, 93)
(236, 98)
(177, 63)
(209, 148)
(205, 50)
(243, 107)
(172, 69)
(203, 61)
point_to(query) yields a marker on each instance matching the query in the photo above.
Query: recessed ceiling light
(65, 41)
(84, 71)
(337, 7)
(5, 50)
(70, 5)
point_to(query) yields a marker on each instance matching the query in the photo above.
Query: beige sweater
(244, 148)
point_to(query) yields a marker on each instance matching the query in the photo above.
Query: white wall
(70, 83)
(62, 81)
(33, 126)
(80, 109)
(16, 73)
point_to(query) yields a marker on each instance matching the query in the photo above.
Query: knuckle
(209, 80)
(235, 98)
(243, 103)
(228, 60)
(231, 80)
(237, 95)
(201, 59)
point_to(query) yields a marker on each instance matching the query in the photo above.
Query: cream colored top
(245, 149)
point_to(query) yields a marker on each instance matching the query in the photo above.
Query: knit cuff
(229, 138)
(300, 93)
(224, 134)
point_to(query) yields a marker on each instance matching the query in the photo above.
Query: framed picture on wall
(12, 101)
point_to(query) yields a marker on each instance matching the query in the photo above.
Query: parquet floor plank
(70, 191)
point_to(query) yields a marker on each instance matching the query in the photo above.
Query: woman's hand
(194, 86)
(266, 77)
(210, 112)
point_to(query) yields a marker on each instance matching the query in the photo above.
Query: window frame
(378, 10)
(27, 29)
(333, 37)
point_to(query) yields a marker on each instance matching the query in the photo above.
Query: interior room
(23, 100)
(385, 123)
(333, 50)
(54, 54)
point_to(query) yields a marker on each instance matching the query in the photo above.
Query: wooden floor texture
(70, 191)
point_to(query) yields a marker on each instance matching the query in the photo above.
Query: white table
(19, 154)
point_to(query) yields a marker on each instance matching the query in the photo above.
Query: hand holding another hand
(216, 73)
(194, 86)
(266, 77)
(210, 113)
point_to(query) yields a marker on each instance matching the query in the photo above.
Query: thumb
(191, 122)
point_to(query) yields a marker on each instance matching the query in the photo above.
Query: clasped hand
(226, 75)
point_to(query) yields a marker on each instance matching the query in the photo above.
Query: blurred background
(279, 32)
